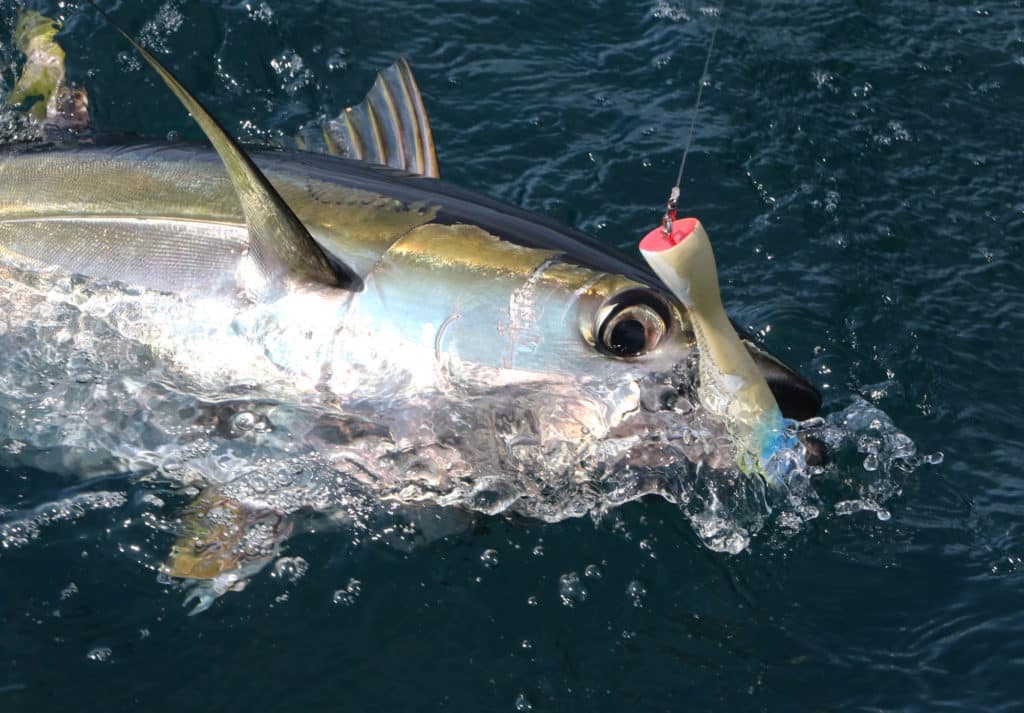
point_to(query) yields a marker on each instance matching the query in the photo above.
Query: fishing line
(673, 198)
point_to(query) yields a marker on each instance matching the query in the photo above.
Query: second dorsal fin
(389, 128)
(279, 244)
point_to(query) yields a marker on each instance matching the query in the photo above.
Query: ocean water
(858, 168)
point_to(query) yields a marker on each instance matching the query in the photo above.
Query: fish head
(532, 357)
(627, 366)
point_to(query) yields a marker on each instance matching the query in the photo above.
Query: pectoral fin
(279, 245)
(222, 543)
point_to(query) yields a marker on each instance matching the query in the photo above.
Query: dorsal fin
(390, 127)
(279, 245)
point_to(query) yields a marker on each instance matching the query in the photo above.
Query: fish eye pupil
(628, 337)
(631, 324)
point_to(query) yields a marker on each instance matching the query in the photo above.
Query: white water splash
(19, 528)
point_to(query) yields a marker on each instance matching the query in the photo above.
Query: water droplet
(489, 558)
(128, 61)
(526, 645)
(290, 568)
(101, 654)
(532, 601)
(538, 551)
(336, 60)
(243, 421)
(260, 13)
(862, 90)
(636, 592)
(848, 507)
(153, 500)
(571, 591)
(294, 74)
(670, 11)
(348, 596)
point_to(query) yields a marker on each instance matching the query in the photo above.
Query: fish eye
(632, 324)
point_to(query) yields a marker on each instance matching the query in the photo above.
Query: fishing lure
(731, 385)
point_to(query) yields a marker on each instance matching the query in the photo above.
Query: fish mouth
(670, 427)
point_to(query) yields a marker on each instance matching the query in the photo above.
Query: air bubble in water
(489, 558)
(523, 704)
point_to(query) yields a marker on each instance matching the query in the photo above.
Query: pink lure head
(656, 240)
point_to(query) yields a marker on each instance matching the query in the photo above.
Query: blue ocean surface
(858, 166)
